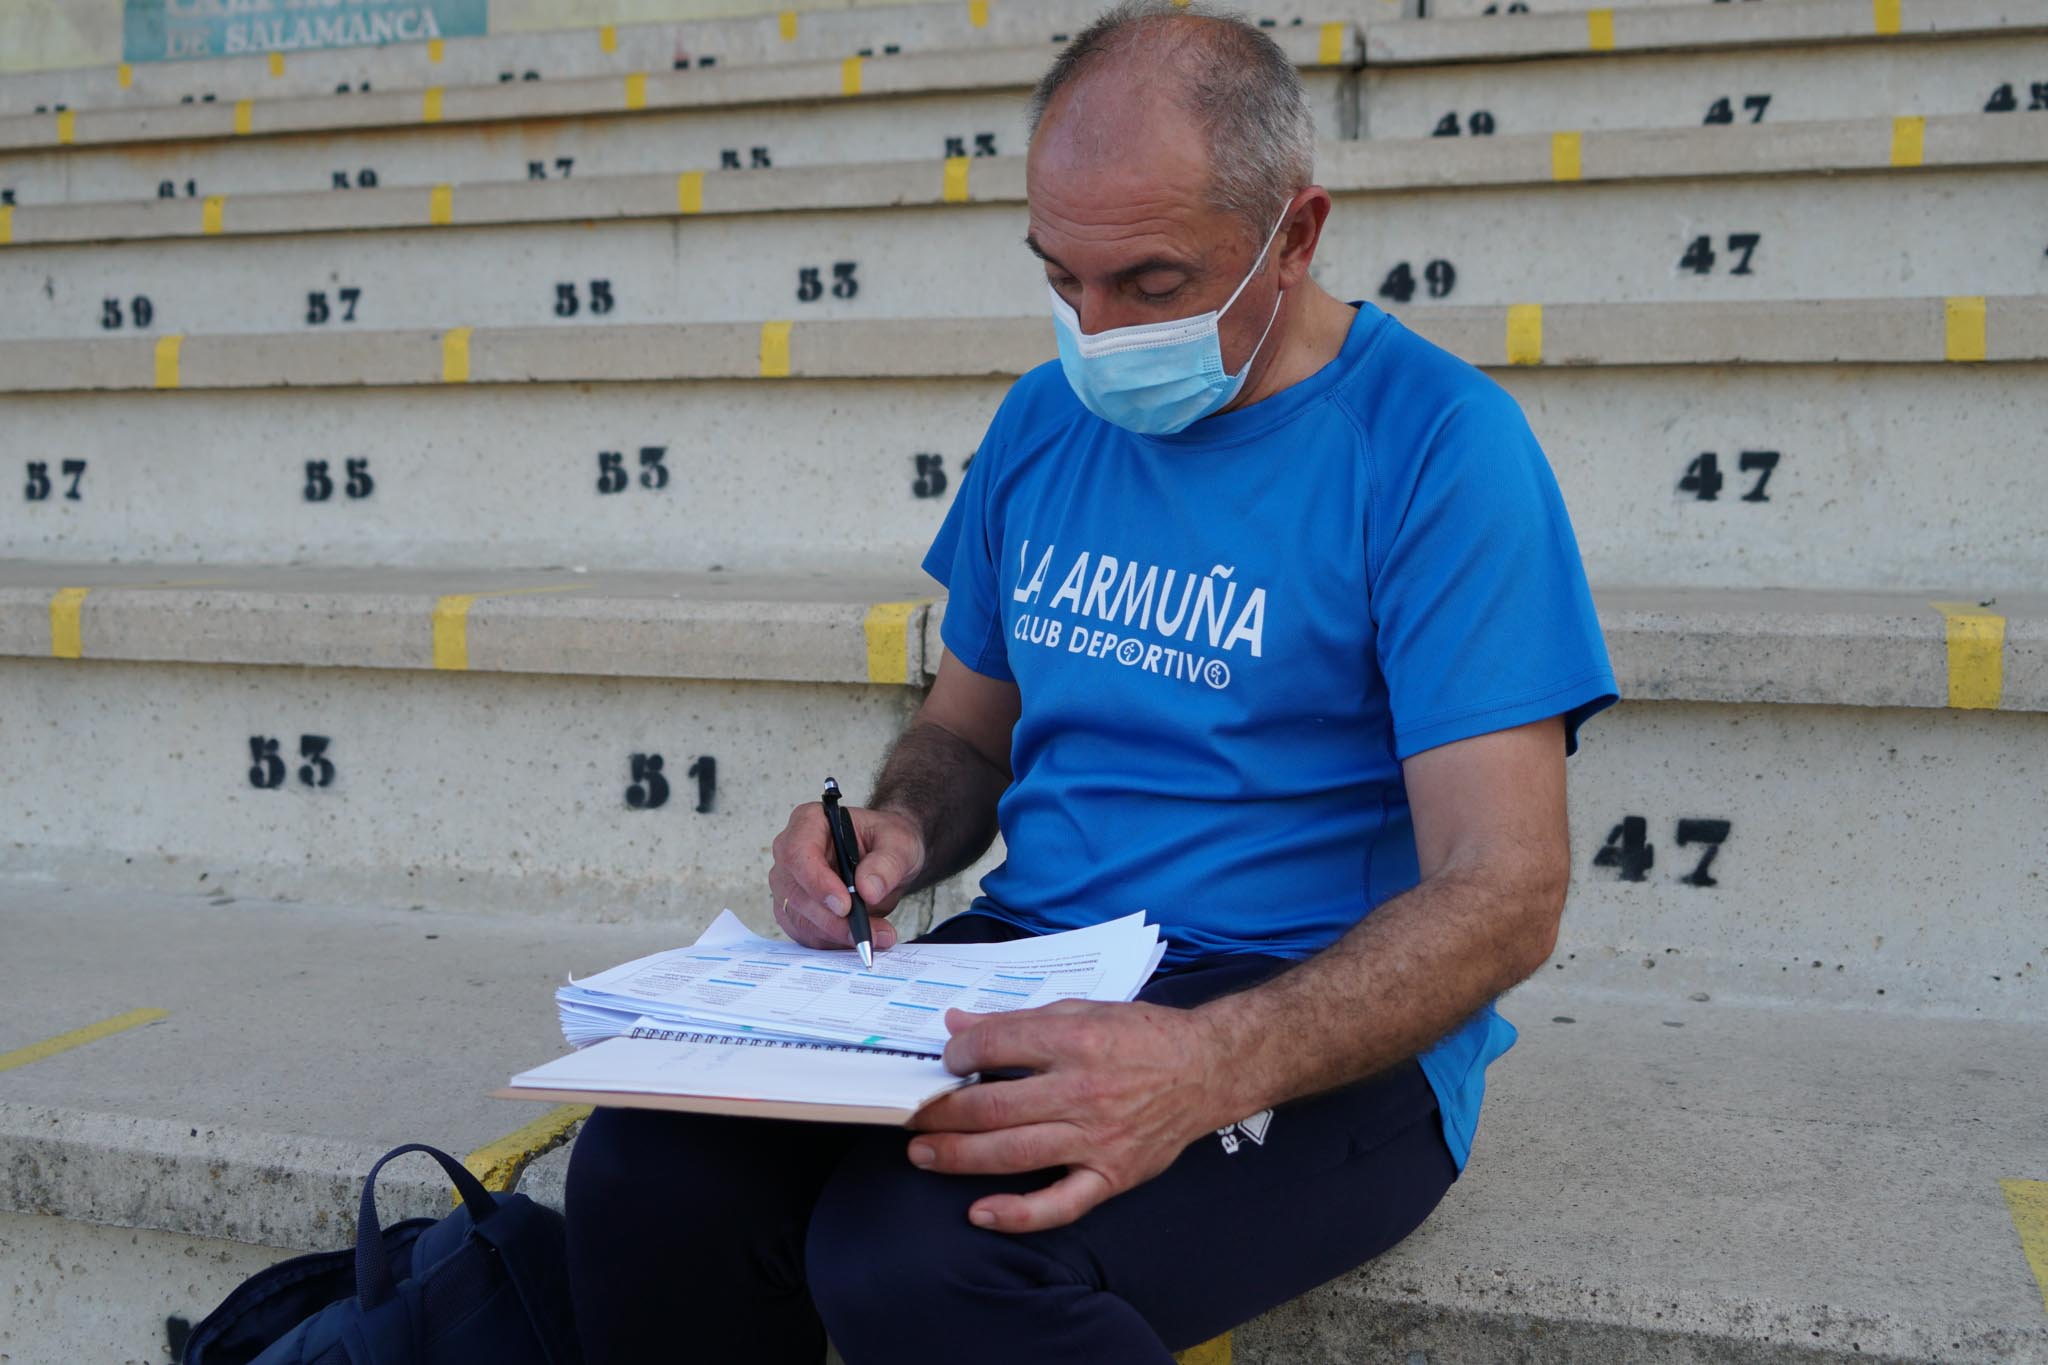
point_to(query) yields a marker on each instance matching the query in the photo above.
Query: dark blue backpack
(490, 1282)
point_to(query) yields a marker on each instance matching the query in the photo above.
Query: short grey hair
(1234, 80)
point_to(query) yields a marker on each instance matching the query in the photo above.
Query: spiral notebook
(709, 1072)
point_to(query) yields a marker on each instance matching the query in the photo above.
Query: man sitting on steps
(1265, 617)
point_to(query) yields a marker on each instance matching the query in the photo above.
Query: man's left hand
(1120, 1089)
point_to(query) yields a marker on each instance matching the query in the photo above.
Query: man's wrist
(1229, 1026)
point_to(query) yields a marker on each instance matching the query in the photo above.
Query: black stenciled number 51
(650, 790)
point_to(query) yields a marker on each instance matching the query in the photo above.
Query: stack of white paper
(732, 981)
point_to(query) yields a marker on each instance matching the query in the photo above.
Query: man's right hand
(810, 900)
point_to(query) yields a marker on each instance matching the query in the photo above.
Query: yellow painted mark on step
(1976, 656)
(1564, 156)
(690, 192)
(434, 51)
(65, 605)
(211, 211)
(788, 18)
(849, 76)
(1214, 1351)
(67, 125)
(1330, 45)
(1525, 334)
(1963, 321)
(1909, 140)
(79, 1037)
(277, 64)
(167, 349)
(608, 38)
(441, 205)
(1884, 15)
(125, 74)
(499, 1164)
(2028, 1200)
(636, 90)
(887, 627)
(6, 224)
(977, 13)
(430, 104)
(451, 621)
(775, 350)
(245, 117)
(956, 180)
(455, 355)
(1600, 29)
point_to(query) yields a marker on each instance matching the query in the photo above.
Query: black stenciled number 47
(1629, 850)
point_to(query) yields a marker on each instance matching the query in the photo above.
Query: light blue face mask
(1156, 377)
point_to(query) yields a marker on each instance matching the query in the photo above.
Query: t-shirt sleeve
(962, 557)
(1484, 619)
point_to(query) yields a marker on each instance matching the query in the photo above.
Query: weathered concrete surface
(1637, 89)
(1869, 331)
(1772, 645)
(1659, 1178)
(1641, 28)
(80, 1292)
(814, 32)
(1952, 231)
(837, 473)
(1829, 761)
(1379, 165)
(814, 627)
(512, 793)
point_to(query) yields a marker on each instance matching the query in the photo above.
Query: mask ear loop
(1260, 260)
(1275, 316)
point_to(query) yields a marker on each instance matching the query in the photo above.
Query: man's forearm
(1397, 981)
(944, 786)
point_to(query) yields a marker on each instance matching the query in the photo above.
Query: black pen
(847, 849)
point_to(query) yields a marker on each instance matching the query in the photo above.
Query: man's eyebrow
(1144, 267)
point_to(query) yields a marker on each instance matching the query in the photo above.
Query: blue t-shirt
(1227, 639)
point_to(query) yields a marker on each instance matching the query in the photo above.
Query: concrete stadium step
(856, 241)
(1688, 65)
(914, 106)
(151, 700)
(593, 51)
(620, 745)
(1515, 9)
(1656, 1176)
(1721, 444)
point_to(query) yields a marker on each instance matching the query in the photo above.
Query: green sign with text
(165, 30)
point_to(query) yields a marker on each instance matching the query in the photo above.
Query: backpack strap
(373, 1269)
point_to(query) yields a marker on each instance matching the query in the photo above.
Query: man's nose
(1105, 310)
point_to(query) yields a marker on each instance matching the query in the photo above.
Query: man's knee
(890, 1251)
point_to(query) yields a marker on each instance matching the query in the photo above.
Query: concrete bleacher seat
(914, 105)
(1677, 214)
(1700, 64)
(1772, 1103)
(782, 35)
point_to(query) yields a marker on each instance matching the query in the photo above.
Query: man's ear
(1301, 235)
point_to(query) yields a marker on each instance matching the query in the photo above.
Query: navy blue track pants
(703, 1237)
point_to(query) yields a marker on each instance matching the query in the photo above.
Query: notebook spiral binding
(670, 1035)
